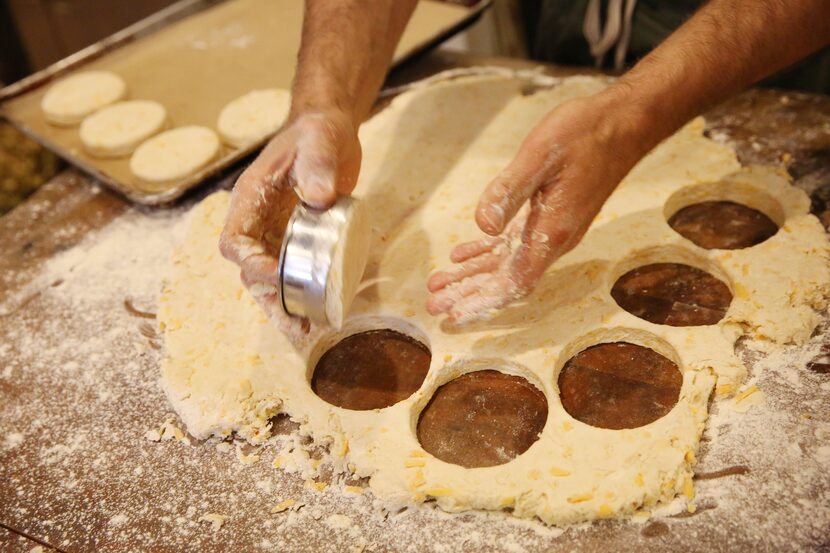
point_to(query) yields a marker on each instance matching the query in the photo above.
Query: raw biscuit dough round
(116, 130)
(70, 100)
(253, 116)
(427, 157)
(174, 154)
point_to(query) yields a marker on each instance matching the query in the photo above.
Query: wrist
(627, 123)
(333, 114)
(319, 94)
(648, 114)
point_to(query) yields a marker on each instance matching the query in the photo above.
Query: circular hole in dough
(116, 130)
(371, 370)
(723, 225)
(254, 116)
(672, 294)
(70, 100)
(174, 154)
(482, 419)
(619, 385)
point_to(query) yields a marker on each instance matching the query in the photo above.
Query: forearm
(725, 47)
(347, 46)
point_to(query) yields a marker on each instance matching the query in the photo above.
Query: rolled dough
(68, 101)
(116, 130)
(426, 159)
(174, 154)
(253, 116)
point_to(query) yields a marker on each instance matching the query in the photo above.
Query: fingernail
(492, 216)
(317, 192)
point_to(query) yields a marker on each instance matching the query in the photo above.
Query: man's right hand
(317, 155)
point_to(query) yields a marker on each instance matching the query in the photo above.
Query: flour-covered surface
(80, 408)
(15, 543)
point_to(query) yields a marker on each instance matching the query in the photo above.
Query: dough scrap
(68, 101)
(253, 116)
(427, 157)
(116, 130)
(174, 154)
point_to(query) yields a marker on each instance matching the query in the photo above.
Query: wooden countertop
(77, 474)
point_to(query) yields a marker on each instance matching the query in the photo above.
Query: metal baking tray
(194, 57)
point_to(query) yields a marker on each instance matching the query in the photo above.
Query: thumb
(349, 168)
(314, 173)
(506, 194)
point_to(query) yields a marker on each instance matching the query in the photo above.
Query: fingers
(258, 193)
(317, 156)
(267, 297)
(505, 195)
(327, 162)
(491, 295)
(444, 299)
(474, 298)
(349, 168)
(315, 174)
(465, 251)
(258, 288)
(486, 263)
(556, 222)
(491, 280)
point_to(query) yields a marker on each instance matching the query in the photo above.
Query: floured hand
(315, 156)
(565, 170)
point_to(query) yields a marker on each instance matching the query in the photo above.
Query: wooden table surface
(79, 476)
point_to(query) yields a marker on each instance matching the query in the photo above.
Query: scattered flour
(12, 440)
(338, 522)
(118, 520)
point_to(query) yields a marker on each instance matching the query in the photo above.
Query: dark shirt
(555, 35)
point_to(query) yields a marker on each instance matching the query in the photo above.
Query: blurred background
(33, 35)
(36, 33)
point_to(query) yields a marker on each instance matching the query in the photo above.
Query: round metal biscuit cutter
(312, 252)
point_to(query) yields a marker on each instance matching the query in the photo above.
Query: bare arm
(727, 46)
(346, 49)
(575, 157)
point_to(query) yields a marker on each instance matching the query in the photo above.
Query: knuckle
(227, 247)
(504, 183)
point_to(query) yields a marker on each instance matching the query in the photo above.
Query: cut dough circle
(174, 154)
(253, 116)
(116, 130)
(70, 100)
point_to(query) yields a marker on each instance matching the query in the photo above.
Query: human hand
(316, 156)
(566, 167)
